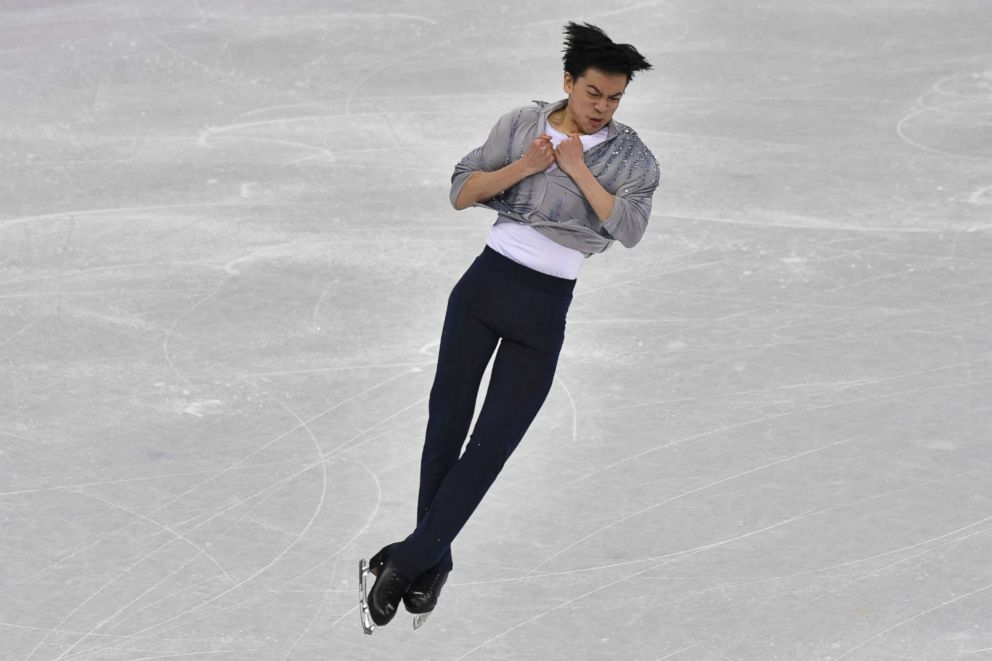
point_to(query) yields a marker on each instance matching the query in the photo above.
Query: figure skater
(566, 180)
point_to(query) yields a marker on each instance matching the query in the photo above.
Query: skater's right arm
(482, 185)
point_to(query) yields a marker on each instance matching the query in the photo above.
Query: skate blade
(419, 620)
(368, 626)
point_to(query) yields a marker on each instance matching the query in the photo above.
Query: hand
(540, 155)
(569, 154)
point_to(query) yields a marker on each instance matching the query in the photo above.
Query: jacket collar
(548, 108)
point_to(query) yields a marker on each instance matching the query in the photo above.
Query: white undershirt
(525, 245)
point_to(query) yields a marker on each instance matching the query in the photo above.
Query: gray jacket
(550, 202)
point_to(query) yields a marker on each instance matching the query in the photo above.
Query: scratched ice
(225, 252)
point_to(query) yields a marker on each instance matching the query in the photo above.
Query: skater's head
(597, 72)
(587, 46)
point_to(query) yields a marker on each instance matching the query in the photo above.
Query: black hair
(588, 46)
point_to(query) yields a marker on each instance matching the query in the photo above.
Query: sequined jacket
(550, 201)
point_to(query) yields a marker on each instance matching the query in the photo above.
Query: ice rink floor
(226, 248)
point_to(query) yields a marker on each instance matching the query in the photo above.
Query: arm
(632, 207)
(480, 185)
(623, 216)
(572, 162)
(600, 199)
(488, 170)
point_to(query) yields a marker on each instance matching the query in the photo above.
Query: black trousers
(496, 299)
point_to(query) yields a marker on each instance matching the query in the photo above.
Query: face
(593, 97)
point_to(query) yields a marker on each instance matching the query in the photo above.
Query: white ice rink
(226, 248)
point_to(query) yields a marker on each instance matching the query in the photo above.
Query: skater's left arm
(624, 216)
(569, 157)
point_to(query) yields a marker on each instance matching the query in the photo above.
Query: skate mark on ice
(79, 293)
(944, 99)
(121, 638)
(844, 586)
(981, 197)
(259, 597)
(160, 42)
(115, 637)
(211, 131)
(332, 556)
(839, 227)
(323, 494)
(680, 23)
(24, 329)
(433, 47)
(110, 644)
(113, 210)
(164, 528)
(230, 76)
(664, 269)
(978, 651)
(176, 537)
(275, 251)
(170, 476)
(314, 328)
(679, 555)
(792, 301)
(677, 652)
(415, 367)
(713, 398)
(65, 619)
(235, 585)
(884, 632)
(268, 491)
(688, 493)
(322, 152)
(343, 447)
(172, 329)
(171, 655)
(670, 558)
(239, 462)
(271, 489)
(98, 269)
(285, 106)
(810, 572)
(575, 411)
(375, 15)
(657, 272)
(62, 560)
(837, 390)
(220, 513)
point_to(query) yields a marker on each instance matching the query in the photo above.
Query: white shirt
(525, 245)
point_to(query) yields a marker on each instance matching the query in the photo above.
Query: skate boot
(378, 606)
(379, 559)
(423, 594)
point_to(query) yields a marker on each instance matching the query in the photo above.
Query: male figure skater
(566, 181)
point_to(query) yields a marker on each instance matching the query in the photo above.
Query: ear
(568, 83)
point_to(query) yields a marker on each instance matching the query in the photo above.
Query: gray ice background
(225, 252)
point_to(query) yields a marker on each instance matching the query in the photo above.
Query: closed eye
(596, 93)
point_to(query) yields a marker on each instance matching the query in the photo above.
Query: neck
(565, 122)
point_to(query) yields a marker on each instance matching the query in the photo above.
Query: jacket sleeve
(632, 206)
(492, 155)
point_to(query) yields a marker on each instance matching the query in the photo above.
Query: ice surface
(225, 252)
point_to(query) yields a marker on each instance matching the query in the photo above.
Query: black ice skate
(378, 606)
(423, 594)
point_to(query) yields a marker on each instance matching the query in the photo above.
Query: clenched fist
(569, 154)
(539, 156)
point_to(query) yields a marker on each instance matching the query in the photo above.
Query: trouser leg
(467, 344)
(521, 378)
